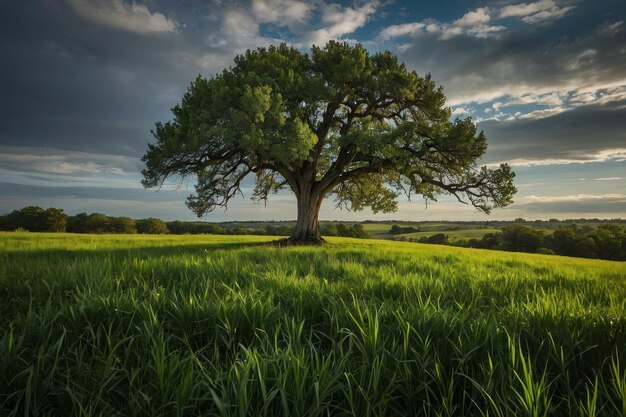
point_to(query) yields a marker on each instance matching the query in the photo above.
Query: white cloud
(54, 161)
(549, 99)
(404, 29)
(526, 9)
(54, 165)
(121, 15)
(287, 12)
(553, 99)
(239, 28)
(617, 155)
(341, 21)
(535, 12)
(583, 98)
(477, 22)
(547, 14)
(116, 171)
(472, 88)
(238, 31)
(458, 111)
(600, 96)
(602, 179)
(540, 114)
(570, 198)
(609, 95)
(474, 23)
(474, 18)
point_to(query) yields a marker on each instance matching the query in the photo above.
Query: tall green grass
(229, 326)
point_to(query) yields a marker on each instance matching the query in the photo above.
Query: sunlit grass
(229, 326)
(452, 234)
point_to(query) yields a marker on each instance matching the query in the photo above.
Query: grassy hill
(228, 325)
(453, 234)
(454, 231)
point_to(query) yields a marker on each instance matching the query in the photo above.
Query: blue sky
(84, 82)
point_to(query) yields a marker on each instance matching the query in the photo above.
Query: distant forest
(606, 241)
(37, 219)
(587, 238)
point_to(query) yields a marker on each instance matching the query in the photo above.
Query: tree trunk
(307, 226)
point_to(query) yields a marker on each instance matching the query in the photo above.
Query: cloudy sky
(83, 82)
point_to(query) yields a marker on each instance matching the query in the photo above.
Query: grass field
(380, 230)
(229, 326)
(452, 234)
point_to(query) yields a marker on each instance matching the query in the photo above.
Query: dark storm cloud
(11, 190)
(584, 134)
(74, 83)
(94, 76)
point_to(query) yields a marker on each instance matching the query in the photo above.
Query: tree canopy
(152, 226)
(339, 122)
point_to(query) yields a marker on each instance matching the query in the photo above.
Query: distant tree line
(327, 229)
(607, 241)
(344, 230)
(37, 219)
(551, 224)
(436, 239)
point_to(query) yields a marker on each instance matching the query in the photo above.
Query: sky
(82, 83)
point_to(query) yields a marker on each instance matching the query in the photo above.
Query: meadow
(456, 232)
(453, 235)
(143, 325)
(381, 230)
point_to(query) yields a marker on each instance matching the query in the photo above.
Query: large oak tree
(338, 122)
